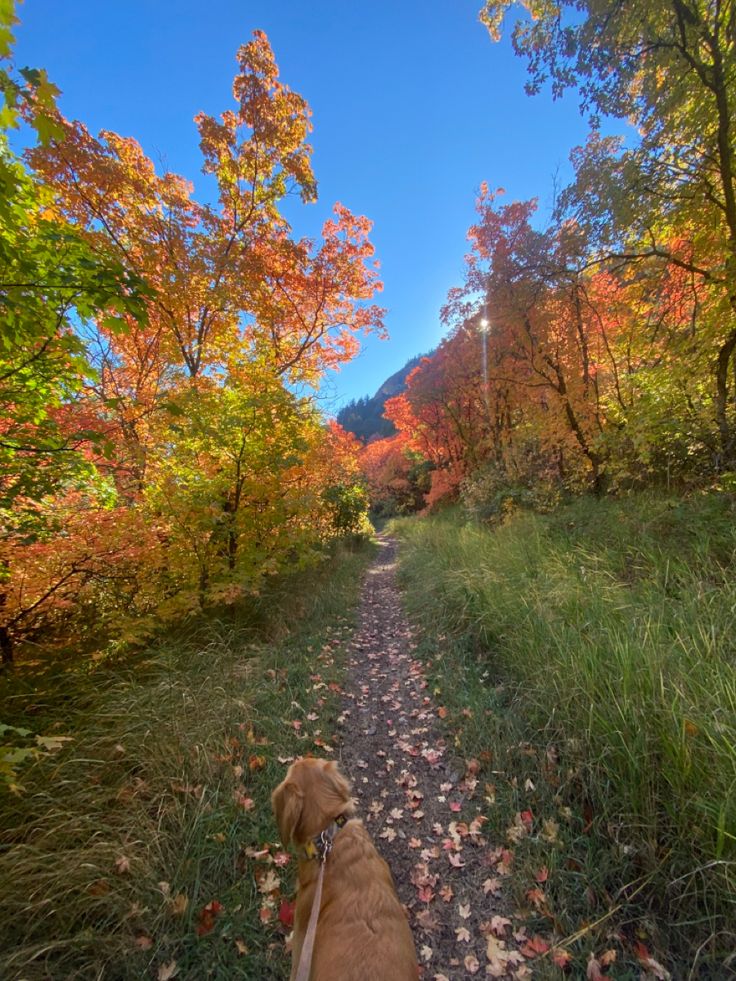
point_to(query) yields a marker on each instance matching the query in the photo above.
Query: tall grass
(615, 622)
(167, 750)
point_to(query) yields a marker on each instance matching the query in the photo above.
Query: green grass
(604, 633)
(152, 777)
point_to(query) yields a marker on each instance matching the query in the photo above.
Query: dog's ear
(287, 801)
(338, 786)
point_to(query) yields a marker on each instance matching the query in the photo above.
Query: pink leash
(305, 961)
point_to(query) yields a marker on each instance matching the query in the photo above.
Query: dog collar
(321, 845)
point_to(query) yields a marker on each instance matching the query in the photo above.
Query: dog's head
(312, 794)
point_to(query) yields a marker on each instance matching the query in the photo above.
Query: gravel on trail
(423, 806)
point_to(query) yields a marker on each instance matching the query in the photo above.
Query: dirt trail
(422, 806)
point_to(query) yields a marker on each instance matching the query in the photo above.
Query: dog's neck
(320, 845)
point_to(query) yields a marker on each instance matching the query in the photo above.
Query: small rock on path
(422, 806)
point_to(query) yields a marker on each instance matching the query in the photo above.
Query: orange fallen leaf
(535, 946)
(207, 916)
(561, 958)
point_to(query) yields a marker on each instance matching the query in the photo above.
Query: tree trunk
(6, 646)
(725, 425)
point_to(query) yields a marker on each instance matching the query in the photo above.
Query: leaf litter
(421, 804)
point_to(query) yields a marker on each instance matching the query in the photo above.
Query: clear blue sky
(413, 107)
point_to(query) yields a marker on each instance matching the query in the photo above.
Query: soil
(423, 807)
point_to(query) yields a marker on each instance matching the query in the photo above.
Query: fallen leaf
(593, 971)
(462, 934)
(286, 913)
(561, 958)
(492, 886)
(499, 924)
(498, 957)
(122, 865)
(167, 971)
(647, 961)
(536, 897)
(240, 946)
(472, 964)
(143, 941)
(535, 946)
(464, 910)
(178, 905)
(207, 916)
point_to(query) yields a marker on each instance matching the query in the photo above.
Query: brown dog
(362, 932)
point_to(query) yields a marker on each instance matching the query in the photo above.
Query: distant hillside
(364, 417)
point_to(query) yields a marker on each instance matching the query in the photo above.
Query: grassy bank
(597, 652)
(146, 847)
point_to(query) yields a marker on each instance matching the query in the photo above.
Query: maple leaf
(472, 964)
(143, 941)
(167, 971)
(462, 934)
(122, 865)
(499, 924)
(498, 956)
(535, 946)
(550, 831)
(492, 886)
(179, 904)
(536, 897)
(542, 875)
(647, 961)
(240, 946)
(286, 913)
(426, 918)
(561, 958)
(207, 916)
(269, 883)
(446, 893)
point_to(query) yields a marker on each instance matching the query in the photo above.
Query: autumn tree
(51, 283)
(667, 67)
(205, 461)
